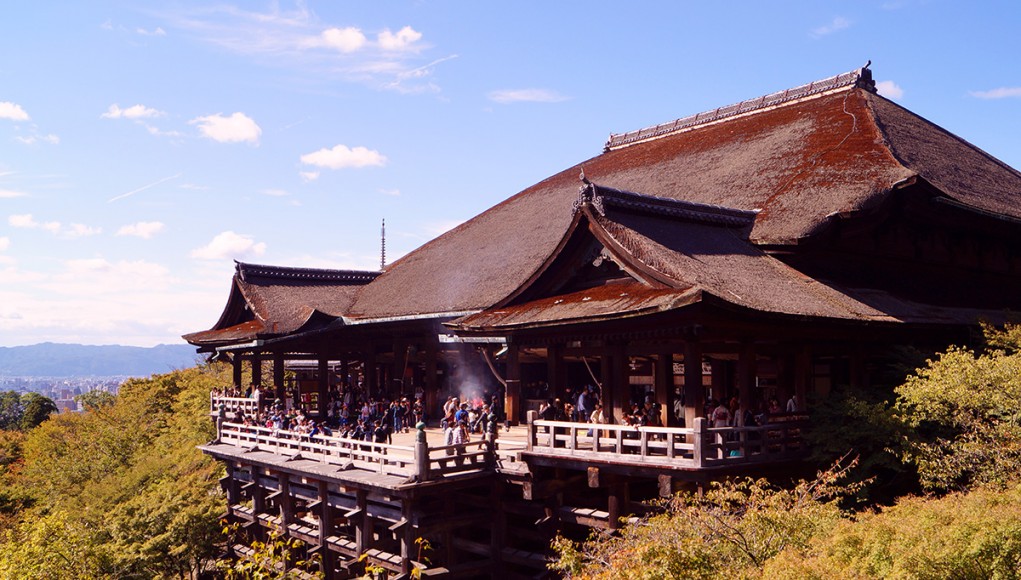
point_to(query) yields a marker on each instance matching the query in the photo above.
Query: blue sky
(145, 145)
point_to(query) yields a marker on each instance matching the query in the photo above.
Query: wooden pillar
(324, 385)
(607, 392)
(233, 486)
(257, 370)
(718, 379)
(258, 502)
(617, 503)
(285, 501)
(370, 371)
(363, 530)
(498, 528)
(803, 375)
(621, 381)
(238, 378)
(746, 380)
(859, 374)
(556, 370)
(694, 392)
(406, 537)
(512, 398)
(431, 388)
(325, 514)
(664, 381)
(278, 375)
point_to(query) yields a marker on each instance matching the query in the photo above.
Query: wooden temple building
(779, 247)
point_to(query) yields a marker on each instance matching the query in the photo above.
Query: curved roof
(796, 164)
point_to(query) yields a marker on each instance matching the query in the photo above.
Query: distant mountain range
(76, 360)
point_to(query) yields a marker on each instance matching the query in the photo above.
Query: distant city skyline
(144, 146)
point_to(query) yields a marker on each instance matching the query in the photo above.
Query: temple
(760, 254)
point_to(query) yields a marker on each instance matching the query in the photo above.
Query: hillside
(76, 360)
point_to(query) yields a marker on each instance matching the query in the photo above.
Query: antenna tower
(382, 253)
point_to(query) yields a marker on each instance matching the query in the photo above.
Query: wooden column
(608, 392)
(278, 375)
(859, 374)
(664, 383)
(512, 398)
(325, 514)
(238, 375)
(431, 388)
(617, 503)
(285, 501)
(803, 376)
(746, 379)
(233, 486)
(258, 502)
(621, 381)
(556, 370)
(370, 371)
(363, 530)
(324, 385)
(694, 392)
(498, 528)
(406, 537)
(257, 370)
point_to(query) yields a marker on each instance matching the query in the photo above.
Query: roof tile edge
(292, 273)
(860, 78)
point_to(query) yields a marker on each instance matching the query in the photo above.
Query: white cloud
(340, 156)
(889, 89)
(508, 96)
(8, 193)
(157, 32)
(1000, 93)
(22, 221)
(392, 192)
(33, 139)
(144, 230)
(308, 176)
(5, 243)
(276, 192)
(28, 222)
(132, 112)
(12, 111)
(233, 129)
(229, 245)
(80, 231)
(403, 40)
(838, 23)
(346, 40)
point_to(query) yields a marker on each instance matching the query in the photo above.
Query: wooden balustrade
(696, 447)
(232, 405)
(418, 463)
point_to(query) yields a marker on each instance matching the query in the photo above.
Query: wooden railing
(232, 405)
(417, 463)
(697, 447)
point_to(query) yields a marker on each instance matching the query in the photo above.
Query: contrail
(143, 188)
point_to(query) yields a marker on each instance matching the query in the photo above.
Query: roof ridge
(599, 197)
(860, 78)
(296, 273)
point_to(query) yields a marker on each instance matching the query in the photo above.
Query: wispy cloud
(12, 111)
(5, 243)
(73, 231)
(49, 138)
(158, 31)
(308, 176)
(1000, 93)
(889, 89)
(228, 245)
(508, 96)
(133, 112)
(391, 192)
(143, 188)
(838, 23)
(9, 193)
(272, 192)
(298, 40)
(236, 128)
(342, 156)
(144, 230)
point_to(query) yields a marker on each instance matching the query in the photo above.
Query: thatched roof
(796, 164)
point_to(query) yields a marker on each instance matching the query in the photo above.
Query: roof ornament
(587, 195)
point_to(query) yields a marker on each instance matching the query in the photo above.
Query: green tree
(37, 409)
(964, 417)
(11, 410)
(730, 531)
